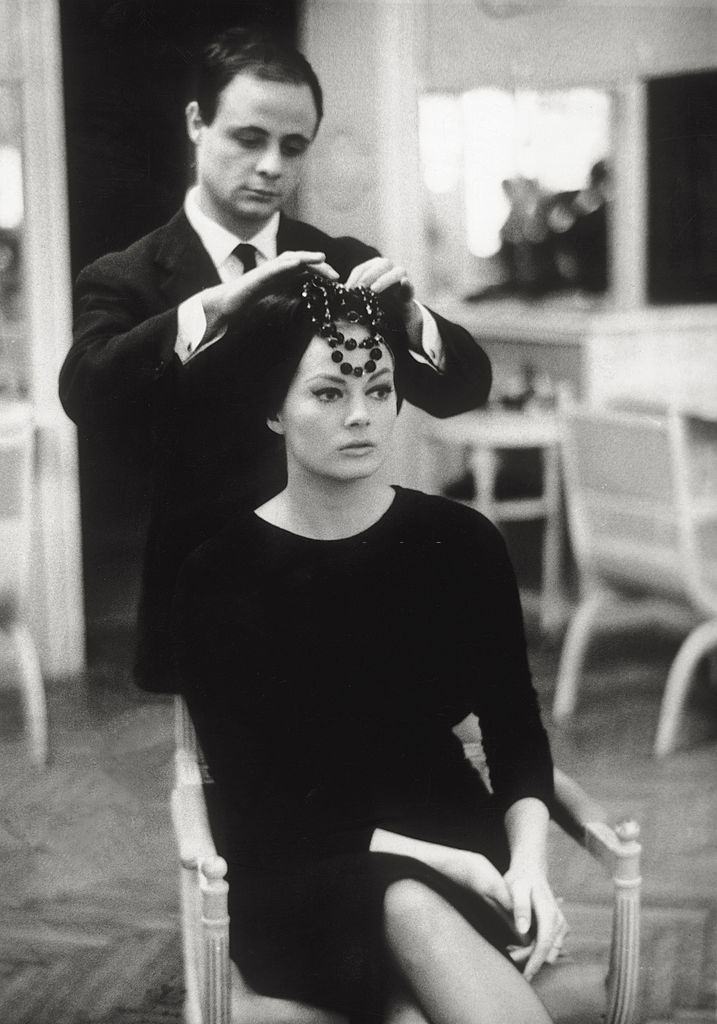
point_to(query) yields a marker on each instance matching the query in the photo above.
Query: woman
(327, 644)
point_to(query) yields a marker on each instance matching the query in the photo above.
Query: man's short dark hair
(241, 50)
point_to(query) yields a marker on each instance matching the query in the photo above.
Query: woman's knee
(411, 907)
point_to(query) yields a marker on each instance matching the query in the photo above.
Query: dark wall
(127, 74)
(682, 186)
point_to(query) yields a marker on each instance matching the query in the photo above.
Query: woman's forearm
(526, 824)
(472, 870)
(432, 854)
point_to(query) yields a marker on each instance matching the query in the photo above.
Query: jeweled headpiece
(328, 301)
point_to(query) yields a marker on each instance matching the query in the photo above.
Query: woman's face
(334, 425)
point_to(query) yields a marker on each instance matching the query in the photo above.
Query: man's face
(250, 158)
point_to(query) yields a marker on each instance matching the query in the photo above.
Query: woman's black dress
(324, 679)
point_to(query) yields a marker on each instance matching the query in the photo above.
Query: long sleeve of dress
(505, 700)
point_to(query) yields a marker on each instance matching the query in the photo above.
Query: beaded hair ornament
(326, 302)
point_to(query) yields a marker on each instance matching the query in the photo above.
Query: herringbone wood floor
(88, 884)
(88, 903)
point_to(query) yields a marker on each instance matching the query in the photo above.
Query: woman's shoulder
(242, 544)
(444, 517)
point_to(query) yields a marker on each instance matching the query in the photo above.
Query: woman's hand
(476, 872)
(533, 900)
(469, 869)
(224, 300)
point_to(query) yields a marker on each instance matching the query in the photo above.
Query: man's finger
(388, 279)
(366, 273)
(326, 270)
(286, 263)
(315, 260)
(294, 257)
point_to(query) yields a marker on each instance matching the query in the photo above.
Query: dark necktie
(247, 254)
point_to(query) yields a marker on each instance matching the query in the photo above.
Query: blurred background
(547, 172)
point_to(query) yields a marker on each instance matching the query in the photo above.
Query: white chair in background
(642, 514)
(581, 990)
(17, 464)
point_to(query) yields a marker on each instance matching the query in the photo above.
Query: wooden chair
(642, 513)
(17, 464)
(568, 993)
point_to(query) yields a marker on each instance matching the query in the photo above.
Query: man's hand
(531, 896)
(380, 274)
(224, 300)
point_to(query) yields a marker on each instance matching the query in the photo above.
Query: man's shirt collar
(219, 242)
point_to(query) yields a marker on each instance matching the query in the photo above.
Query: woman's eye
(328, 394)
(381, 391)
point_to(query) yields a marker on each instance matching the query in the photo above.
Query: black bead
(340, 337)
(337, 356)
(347, 368)
(376, 353)
(352, 316)
(370, 366)
(326, 330)
(350, 344)
(358, 371)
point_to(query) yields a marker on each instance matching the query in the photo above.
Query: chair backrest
(633, 520)
(17, 450)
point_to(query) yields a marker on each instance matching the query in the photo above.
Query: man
(158, 326)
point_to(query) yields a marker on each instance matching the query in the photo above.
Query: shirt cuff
(191, 325)
(191, 328)
(431, 343)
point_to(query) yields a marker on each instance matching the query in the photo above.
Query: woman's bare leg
(402, 1009)
(248, 1007)
(455, 975)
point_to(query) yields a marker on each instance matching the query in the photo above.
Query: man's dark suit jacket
(213, 454)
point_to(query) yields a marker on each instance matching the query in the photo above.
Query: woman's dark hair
(278, 329)
(241, 50)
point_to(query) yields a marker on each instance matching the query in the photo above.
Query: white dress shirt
(220, 245)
